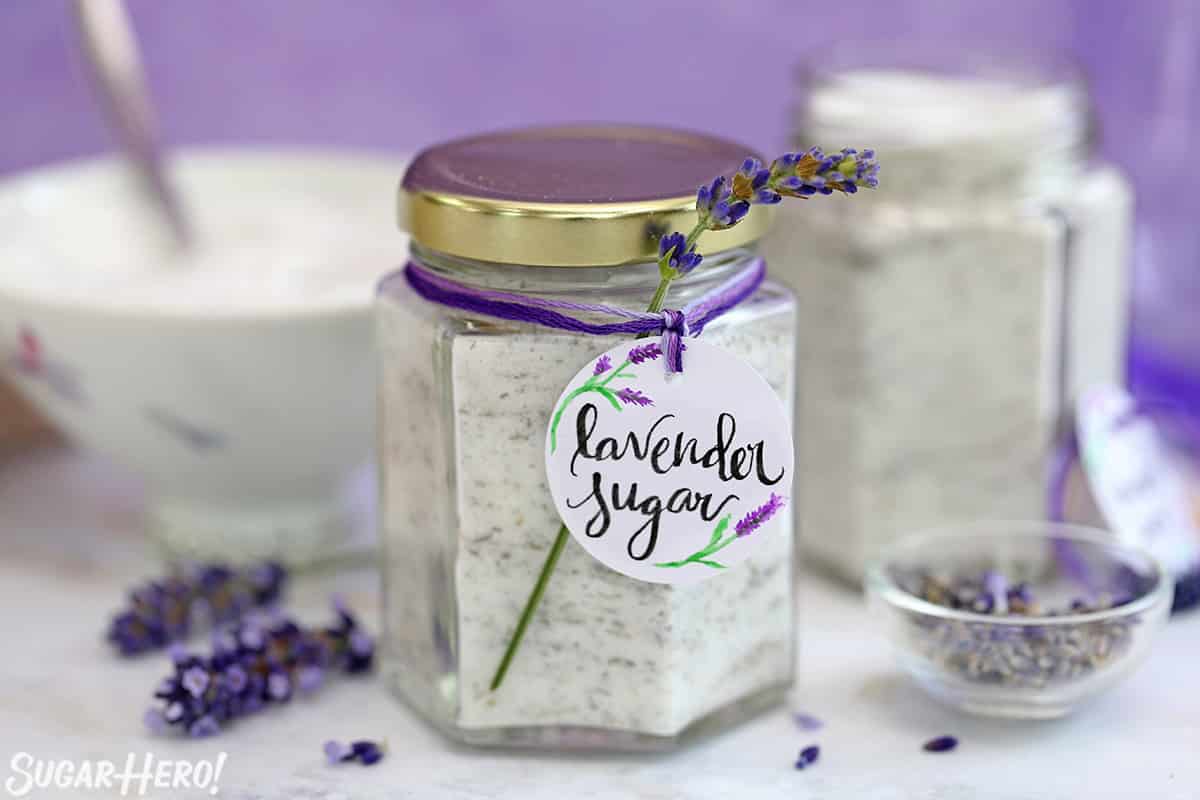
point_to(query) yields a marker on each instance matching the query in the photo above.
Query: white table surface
(71, 545)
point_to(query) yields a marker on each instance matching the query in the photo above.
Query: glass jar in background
(967, 301)
(467, 517)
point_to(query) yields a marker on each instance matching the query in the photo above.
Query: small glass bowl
(1020, 666)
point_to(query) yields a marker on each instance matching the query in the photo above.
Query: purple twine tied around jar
(672, 324)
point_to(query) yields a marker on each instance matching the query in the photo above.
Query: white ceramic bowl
(244, 404)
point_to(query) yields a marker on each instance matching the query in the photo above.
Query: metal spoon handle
(112, 54)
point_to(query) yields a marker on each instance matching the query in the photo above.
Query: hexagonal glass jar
(467, 519)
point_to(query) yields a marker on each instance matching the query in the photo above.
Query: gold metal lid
(568, 196)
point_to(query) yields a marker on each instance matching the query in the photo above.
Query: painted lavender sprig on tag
(748, 524)
(721, 204)
(599, 383)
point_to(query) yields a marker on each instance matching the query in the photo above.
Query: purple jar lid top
(575, 164)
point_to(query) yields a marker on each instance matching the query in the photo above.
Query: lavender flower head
(251, 668)
(673, 251)
(759, 516)
(633, 397)
(168, 609)
(603, 365)
(717, 207)
(814, 172)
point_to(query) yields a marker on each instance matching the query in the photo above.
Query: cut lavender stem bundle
(254, 665)
(169, 609)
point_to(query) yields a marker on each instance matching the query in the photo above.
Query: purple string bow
(672, 324)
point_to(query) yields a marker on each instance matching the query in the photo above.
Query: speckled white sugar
(603, 650)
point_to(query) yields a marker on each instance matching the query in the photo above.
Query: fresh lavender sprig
(253, 666)
(167, 610)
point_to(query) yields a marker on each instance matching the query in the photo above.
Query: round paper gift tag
(670, 477)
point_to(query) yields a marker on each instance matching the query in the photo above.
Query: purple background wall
(399, 74)
(396, 75)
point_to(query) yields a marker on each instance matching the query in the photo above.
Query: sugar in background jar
(467, 516)
(946, 331)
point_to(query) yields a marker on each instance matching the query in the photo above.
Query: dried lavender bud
(807, 722)
(363, 751)
(169, 609)
(1020, 656)
(808, 756)
(942, 744)
(254, 665)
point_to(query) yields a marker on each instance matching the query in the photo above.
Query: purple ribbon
(671, 324)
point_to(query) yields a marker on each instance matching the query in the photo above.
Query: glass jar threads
(564, 215)
(946, 331)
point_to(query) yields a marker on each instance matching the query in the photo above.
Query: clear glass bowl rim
(878, 580)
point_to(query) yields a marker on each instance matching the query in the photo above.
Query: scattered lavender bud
(808, 756)
(363, 751)
(167, 610)
(256, 667)
(336, 752)
(367, 752)
(941, 744)
(807, 722)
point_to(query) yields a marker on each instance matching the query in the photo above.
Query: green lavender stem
(666, 276)
(714, 546)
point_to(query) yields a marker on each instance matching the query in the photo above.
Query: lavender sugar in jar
(557, 215)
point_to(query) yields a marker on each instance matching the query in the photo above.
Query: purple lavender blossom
(634, 397)
(750, 183)
(194, 680)
(814, 172)
(203, 727)
(756, 518)
(717, 206)
(645, 352)
(679, 257)
(254, 667)
(168, 609)
(603, 365)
